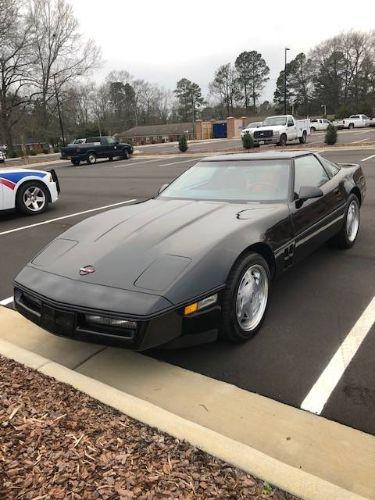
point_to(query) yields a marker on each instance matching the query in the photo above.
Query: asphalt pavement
(314, 307)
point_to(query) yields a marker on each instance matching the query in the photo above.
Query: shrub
(247, 141)
(56, 149)
(331, 135)
(183, 144)
(11, 154)
(32, 152)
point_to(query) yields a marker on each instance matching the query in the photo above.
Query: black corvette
(198, 259)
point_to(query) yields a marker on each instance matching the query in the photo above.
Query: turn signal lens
(197, 306)
(192, 308)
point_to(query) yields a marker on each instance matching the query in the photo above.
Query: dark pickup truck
(96, 147)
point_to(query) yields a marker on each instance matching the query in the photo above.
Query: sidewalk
(302, 453)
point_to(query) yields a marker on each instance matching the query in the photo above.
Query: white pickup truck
(354, 121)
(280, 130)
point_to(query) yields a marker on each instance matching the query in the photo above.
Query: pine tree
(183, 144)
(247, 141)
(331, 135)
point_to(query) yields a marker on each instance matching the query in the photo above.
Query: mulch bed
(57, 443)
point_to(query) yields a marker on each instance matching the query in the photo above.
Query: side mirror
(307, 192)
(161, 189)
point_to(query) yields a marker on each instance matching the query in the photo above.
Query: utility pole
(285, 51)
(59, 112)
(193, 97)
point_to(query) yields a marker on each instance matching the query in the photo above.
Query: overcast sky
(163, 41)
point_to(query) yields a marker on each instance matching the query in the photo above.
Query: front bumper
(171, 329)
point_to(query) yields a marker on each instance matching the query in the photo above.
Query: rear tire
(91, 159)
(302, 140)
(32, 198)
(351, 126)
(245, 298)
(347, 235)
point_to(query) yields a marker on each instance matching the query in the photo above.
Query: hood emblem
(87, 270)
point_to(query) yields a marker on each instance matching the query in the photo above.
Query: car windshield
(275, 120)
(254, 125)
(248, 180)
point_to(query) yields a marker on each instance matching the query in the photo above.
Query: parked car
(281, 129)
(249, 129)
(196, 260)
(94, 148)
(2, 156)
(29, 191)
(355, 121)
(372, 122)
(319, 124)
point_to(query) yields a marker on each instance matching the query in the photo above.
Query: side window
(290, 122)
(308, 172)
(330, 167)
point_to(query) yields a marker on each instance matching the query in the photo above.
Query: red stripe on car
(9, 184)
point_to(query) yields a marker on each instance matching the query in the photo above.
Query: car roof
(269, 155)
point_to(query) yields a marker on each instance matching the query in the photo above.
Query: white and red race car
(29, 191)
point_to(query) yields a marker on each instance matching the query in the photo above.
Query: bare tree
(15, 60)
(61, 55)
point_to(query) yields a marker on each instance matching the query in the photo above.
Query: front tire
(313, 129)
(347, 235)
(125, 154)
(282, 141)
(245, 299)
(351, 126)
(32, 198)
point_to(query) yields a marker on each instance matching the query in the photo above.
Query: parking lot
(313, 308)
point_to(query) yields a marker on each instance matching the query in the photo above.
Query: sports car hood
(146, 246)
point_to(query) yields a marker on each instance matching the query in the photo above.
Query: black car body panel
(102, 147)
(153, 258)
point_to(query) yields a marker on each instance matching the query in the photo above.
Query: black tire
(23, 196)
(231, 327)
(91, 159)
(313, 129)
(351, 126)
(283, 140)
(302, 140)
(110, 158)
(125, 154)
(343, 240)
(75, 163)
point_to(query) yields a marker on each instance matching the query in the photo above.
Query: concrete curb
(286, 477)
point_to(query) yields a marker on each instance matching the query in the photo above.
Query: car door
(291, 129)
(314, 220)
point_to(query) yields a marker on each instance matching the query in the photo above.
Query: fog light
(105, 321)
(201, 304)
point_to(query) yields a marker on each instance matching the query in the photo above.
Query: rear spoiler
(55, 179)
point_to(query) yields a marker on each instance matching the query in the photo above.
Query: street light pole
(285, 51)
(59, 112)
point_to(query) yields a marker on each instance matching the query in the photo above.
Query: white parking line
(66, 217)
(362, 140)
(7, 301)
(177, 162)
(326, 383)
(138, 160)
(368, 158)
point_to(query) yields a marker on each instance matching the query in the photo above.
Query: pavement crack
(74, 368)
